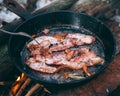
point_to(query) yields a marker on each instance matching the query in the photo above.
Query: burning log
(17, 84)
(14, 89)
(27, 81)
(23, 83)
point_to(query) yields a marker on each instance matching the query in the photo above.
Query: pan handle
(13, 6)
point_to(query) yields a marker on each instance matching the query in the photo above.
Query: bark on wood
(87, 5)
(33, 89)
(57, 5)
(99, 8)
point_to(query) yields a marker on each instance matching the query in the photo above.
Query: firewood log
(57, 5)
(98, 8)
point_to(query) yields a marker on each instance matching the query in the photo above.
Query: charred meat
(54, 53)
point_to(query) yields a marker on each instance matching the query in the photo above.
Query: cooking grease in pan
(59, 77)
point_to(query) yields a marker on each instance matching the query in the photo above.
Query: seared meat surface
(54, 53)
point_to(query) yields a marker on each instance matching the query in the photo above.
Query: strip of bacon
(68, 40)
(86, 58)
(81, 38)
(44, 60)
(43, 41)
(72, 40)
(61, 36)
(42, 67)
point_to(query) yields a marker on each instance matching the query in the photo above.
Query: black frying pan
(60, 21)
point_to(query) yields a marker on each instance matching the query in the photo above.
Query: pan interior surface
(58, 77)
(61, 22)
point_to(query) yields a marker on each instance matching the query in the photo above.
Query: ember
(24, 86)
(19, 78)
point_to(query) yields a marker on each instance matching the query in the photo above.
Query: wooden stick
(2, 83)
(16, 86)
(33, 89)
(46, 90)
(23, 87)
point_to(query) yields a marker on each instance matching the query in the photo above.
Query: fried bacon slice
(43, 40)
(71, 40)
(42, 67)
(48, 58)
(37, 65)
(32, 47)
(60, 37)
(86, 71)
(69, 54)
(86, 58)
(68, 41)
(81, 38)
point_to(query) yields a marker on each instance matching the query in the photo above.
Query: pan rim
(64, 11)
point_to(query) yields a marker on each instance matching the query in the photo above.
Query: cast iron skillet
(60, 21)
